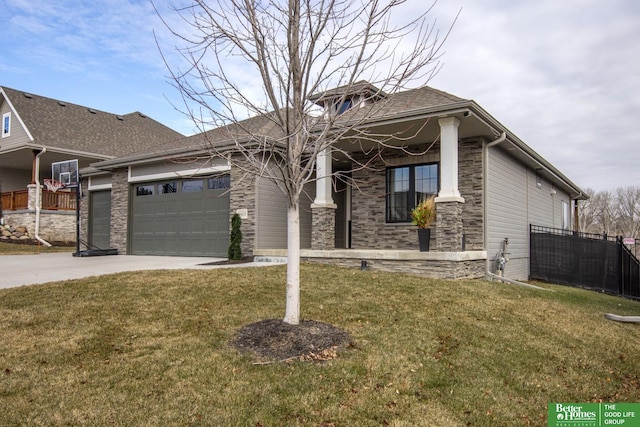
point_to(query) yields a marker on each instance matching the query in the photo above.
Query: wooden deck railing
(61, 200)
(15, 200)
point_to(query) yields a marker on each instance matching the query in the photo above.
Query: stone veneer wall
(243, 196)
(119, 210)
(323, 230)
(84, 212)
(369, 229)
(55, 226)
(449, 227)
(452, 270)
(471, 186)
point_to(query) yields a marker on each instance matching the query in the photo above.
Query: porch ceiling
(411, 132)
(22, 159)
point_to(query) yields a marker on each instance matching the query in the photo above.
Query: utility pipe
(515, 282)
(38, 203)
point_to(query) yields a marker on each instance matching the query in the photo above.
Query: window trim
(412, 188)
(6, 118)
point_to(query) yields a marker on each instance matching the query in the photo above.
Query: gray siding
(18, 135)
(517, 197)
(14, 179)
(271, 216)
(100, 180)
(174, 168)
(507, 212)
(306, 199)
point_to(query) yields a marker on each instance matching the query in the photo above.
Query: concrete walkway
(19, 270)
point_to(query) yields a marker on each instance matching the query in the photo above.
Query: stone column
(84, 211)
(449, 228)
(242, 200)
(323, 209)
(31, 203)
(119, 210)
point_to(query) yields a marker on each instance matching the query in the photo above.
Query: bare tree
(268, 59)
(612, 212)
(627, 218)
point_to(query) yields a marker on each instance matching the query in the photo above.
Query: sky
(564, 76)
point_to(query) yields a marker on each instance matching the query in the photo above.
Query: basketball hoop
(53, 185)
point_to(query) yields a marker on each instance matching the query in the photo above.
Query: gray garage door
(181, 217)
(100, 205)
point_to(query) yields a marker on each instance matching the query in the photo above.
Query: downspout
(501, 138)
(38, 192)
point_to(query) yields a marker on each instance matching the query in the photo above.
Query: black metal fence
(591, 261)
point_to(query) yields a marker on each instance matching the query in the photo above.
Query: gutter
(38, 192)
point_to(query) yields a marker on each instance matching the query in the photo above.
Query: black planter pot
(424, 235)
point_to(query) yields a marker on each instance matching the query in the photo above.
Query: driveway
(19, 270)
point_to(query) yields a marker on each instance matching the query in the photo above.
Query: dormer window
(345, 106)
(344, 98)
(6, 125)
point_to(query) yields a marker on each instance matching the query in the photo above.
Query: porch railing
(15, 200)
(60, 200)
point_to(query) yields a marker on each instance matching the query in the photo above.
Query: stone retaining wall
(55, 226)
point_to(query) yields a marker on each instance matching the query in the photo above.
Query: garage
(183, 217)
(100, 215)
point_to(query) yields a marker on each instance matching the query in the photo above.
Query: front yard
(151, 348)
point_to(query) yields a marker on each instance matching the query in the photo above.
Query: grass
(151, 348)
(26, 249)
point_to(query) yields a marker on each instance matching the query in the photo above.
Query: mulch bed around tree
(273, 340)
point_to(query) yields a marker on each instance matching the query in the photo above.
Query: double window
(406, 187)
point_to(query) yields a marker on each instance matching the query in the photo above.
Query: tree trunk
(292, 309)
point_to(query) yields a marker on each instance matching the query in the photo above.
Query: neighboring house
(489, 184)
(40, 131)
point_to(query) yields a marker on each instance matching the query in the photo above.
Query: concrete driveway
(19, 270)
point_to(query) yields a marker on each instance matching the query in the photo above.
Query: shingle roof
(264, 126)
(64, 125)
(401, 102)
(420, 98)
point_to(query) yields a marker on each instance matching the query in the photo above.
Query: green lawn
(151, 348)
(24, 249)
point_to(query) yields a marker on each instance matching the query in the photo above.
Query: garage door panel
(100, 227)
(189, 223)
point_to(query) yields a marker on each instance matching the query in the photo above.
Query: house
(489, 185)
(38, 131)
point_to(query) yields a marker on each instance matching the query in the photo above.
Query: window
(345, 106)
(219, 182)
(192, 186)
(167, 187)
(406, 187)
(6, 125)
(144, 190)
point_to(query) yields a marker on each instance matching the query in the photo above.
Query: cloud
(564, 76)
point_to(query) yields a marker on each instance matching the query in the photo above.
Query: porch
(443, 265)
(57, 220)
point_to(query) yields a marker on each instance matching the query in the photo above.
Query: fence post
(620, 265)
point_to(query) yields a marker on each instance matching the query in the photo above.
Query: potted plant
(423, 216)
